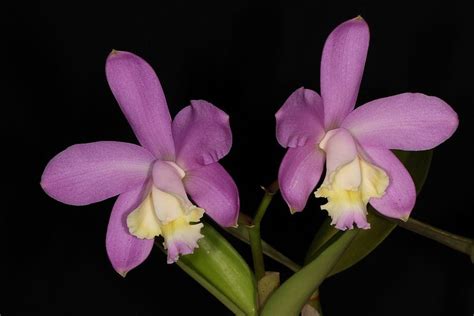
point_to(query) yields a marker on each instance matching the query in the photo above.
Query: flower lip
(348, 190)
(170, 216)
(350, 181)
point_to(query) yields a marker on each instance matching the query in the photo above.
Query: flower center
(178, 169)
(171, 216)
(350, 182)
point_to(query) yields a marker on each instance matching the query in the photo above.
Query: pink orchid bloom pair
(179, 158)
(176, 158)
(355, 143)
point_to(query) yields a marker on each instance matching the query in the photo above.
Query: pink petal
(342, 66)
(299, 173)
(124, 250)
(407, 121)
(213, 189)
(88, 173)
(400, 196)
(138, 92)
(300, 119)
(202, 135)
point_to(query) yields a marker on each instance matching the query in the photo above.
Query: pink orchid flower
(355, 143)
(176, 158)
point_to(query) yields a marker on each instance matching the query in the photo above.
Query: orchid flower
(355, 143)
(175, 158)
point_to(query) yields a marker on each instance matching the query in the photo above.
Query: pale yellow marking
(142, 222)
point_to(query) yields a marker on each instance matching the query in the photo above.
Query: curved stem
(453, 241)
(254, 231)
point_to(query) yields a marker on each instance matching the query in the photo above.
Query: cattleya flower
(360, 168)
(175, 158)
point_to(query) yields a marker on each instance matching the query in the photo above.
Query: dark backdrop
(246, 57)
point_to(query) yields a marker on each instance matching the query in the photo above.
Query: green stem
(257, 255)
(242, 234)
(254, 231)
(453, 241)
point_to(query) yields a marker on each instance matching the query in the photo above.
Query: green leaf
(365, 241)
(219, 268)
(290, 297)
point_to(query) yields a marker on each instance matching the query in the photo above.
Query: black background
(245, 57)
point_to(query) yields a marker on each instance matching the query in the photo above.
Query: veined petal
(300, 119)
(140, 96)
(400, 196)
(92, 172)
(407, 121)
(299, 173)
(124, 250)
(342, 66)
(202, 135)
(212, 188)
